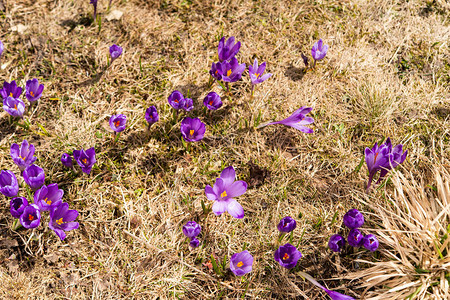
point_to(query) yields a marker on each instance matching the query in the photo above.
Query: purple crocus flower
(370, 242)
(115, 51)
(14, 106)
(61, 220)
(355, 238)
(353, 219)
(176, 100)
(33, 90)
(383, 158)
(336, 243)
(256, 72)
(23, 155)
(188, 104)
(232, 70)
(34, 176)
(8, 183)
(297, 120)
(118, 122)
(10, 90)
(151, 115)
(194, 243)
(228, 49)
(224, 191)
(17, 206)
(287, 224)
(66, 160)
(31, 216)
(212, 101)
(2, 47)
(48, 197)
(191, 229)
(94, 3)
(319, 50)
(287, 256)
(216, 71)
(192, 130)
(241, 263)
(85, 159)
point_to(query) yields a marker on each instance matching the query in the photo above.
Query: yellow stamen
(59, 221)
(216, 72)
(229, 72)
(22, 157)
(176, 101)
(84, 161)
(224, 194)
(10, 94)
(15, 107)
(257, 75)
(49, 202)
(191, 132)
(210, 102)
(286, 256)
(30, 217)
(32, 94)
(375, 159)
(117, 123)
(240, 264)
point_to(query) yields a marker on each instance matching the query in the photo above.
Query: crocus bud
(194, 243)
(336, 243)
(34, 176)
(191, 229)
(8, 183)
(115, 51)
(287, 224)
(66, 160)
(151, 115)
(370, 242)
(355, 238)
(353, 219)
(17, 206)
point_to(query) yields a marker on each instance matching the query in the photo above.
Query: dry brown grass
(386, 74)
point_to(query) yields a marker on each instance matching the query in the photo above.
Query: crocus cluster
(191, 230)
(383, 158)
(46, 198)
(11, 93)
(85, 159)
(353, 219)
(228, 69)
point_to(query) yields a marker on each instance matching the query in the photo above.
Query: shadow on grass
(72, 24)
(294, 73)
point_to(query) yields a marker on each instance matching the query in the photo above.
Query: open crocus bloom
(61, 220)
(23, 155)
(48, 197)
(224, 191)
(10, 90)
(14, 106)
(241, 263)
(33, 90)
(85, 159)
(256, 72)
(319, 50)
(192, 130)
(232, 70)
(297, 120)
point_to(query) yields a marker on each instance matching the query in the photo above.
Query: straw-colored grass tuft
(414, 233)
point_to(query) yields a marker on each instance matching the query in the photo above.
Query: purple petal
(210, 193)
(219, 207)
(228, 176)
(235, 209)
(237, 189)
(70, 226)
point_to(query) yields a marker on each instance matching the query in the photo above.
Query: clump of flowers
(224, 191)
(353, 219)
(383, 158)
(46, 198)
(191, 230)
(297, 120)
